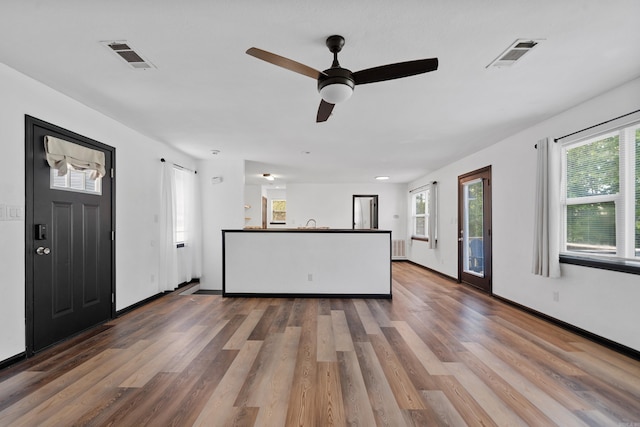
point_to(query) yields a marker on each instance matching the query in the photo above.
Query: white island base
(307, 263)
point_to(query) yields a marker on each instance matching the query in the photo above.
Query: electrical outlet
(556, 296)
(310, 277)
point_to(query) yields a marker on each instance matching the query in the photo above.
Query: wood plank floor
(439, 353)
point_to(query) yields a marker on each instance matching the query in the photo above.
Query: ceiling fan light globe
(336, 93)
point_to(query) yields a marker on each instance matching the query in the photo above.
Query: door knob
(43, 251)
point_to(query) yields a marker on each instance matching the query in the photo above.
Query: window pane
(420, 226)
(279, 205)
(591, 228)
(79, 181)
(58, 181)
(420, 203)
(475, 214)
(473, 235)
(593, 169)
(279, 210)
(76, 180)
(90, 184)
(180, 234)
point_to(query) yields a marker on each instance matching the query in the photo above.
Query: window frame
(180, 201)
(625, 258)
(71, 172)
(415, 216)
(273, 220)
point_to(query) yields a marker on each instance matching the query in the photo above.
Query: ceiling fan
(336, 83)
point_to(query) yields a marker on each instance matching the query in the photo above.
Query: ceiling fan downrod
(337, 84)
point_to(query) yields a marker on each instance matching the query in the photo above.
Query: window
(74, 180)
(180, 200)
(278, 211)
(420, 215)
(600, 196)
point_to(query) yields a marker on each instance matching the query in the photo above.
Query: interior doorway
(474, 229)
(365, 212)
(69, 240)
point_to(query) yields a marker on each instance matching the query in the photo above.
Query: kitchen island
(308, 262)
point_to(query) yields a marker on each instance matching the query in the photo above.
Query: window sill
(621, 265)
(420, 238)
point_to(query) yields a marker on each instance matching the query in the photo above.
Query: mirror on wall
(365, 212)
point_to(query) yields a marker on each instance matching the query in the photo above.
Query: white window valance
(61, 154)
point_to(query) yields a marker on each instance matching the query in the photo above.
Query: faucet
(314, 222)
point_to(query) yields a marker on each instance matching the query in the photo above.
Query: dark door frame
(374, 216)
(485, 284)
(30, 123)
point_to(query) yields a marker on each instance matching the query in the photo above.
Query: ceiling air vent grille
(513, 53)
(125, 52)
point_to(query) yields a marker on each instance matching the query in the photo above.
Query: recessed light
(382, 178)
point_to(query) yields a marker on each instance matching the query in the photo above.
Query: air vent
(514, 53)
(124, 51)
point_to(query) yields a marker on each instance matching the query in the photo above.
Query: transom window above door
(79, 181)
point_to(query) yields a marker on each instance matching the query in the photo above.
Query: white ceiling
(207, 94)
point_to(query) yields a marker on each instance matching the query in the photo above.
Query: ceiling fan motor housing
(336, 86)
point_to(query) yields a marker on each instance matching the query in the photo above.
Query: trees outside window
(420, 214)
(601, 189)
(278, 211)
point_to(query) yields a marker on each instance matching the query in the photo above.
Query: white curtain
(433, 215)
(545, 253)
(192, 251)
(178, 265)
(168, 272)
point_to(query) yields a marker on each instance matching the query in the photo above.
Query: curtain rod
(178, 166)
(423, 186)
(599, 124)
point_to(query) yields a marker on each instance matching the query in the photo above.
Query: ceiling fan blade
(395, 71)
(324, 111)
(283, 62)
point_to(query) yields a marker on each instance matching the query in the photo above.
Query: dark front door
(474, 228)
(69, 243)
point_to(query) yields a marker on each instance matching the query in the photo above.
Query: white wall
(222, 208)
(308, 262)
(253, 205)
(137, 196)
(331, 205)
(602, 302)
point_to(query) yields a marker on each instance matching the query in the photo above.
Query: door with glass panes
(474, 228)
(69, 241)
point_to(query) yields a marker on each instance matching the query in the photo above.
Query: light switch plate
(13, 213)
